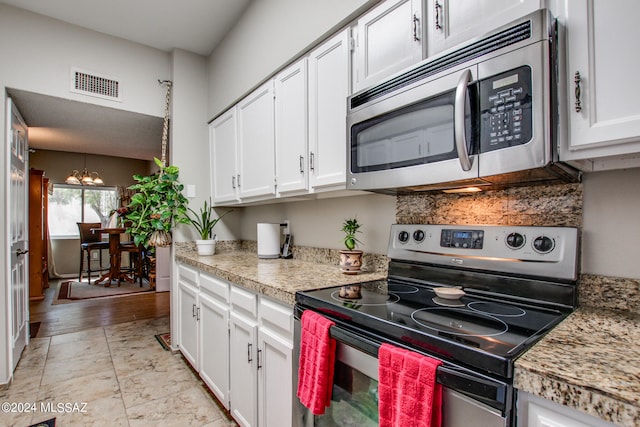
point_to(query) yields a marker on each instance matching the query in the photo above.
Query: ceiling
(64, 125)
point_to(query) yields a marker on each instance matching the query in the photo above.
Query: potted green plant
(203, 222)
(351, 258)
(156, 207)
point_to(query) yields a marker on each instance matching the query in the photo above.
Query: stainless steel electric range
(518, 283)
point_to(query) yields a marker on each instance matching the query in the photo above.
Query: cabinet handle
(198, 314)
(437, 9)
(311, 160)
(233, 182)
(249, 358)
(301, 164)
(416, 23)
(238, 180)
(576, 80)
(259, 361)
(193, 310)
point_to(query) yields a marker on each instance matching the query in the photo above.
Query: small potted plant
(204, 222)
(350, 258)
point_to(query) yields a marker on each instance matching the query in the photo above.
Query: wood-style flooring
(79, 315)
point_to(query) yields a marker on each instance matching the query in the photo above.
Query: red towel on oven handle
(316, 364)
(409, 395)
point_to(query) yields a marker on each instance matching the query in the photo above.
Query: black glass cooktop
(474, 330)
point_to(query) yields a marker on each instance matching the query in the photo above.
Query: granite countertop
(590, 362)
(276, 278)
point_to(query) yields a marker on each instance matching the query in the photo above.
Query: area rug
(164, 340)
(34, 327)
(75, 291)
(47, 423)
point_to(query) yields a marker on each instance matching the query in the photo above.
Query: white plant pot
(206, 247)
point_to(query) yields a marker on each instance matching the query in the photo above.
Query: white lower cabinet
(534, 411)
(241, 344)
(187, 313)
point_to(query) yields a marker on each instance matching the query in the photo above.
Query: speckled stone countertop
(276, 278)
(590, 362)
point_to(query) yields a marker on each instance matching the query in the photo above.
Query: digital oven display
(464, 239)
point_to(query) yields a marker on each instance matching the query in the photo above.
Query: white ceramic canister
(268, 240)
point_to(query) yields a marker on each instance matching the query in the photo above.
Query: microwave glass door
(413, 135)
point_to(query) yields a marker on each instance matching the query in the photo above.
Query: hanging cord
(165, 128)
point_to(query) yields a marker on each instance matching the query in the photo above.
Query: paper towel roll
(268, 240)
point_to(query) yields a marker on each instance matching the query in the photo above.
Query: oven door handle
(356, 341)
(486, 390)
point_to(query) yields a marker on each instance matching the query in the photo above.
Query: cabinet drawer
(188, 275)
(215, 287)
(244, 301)
(277, 317)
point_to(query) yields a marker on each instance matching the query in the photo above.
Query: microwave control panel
(505, 105)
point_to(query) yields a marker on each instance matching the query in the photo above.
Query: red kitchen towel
(408, 393)
(317, 357)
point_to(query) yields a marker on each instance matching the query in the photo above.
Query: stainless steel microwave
(484, 114)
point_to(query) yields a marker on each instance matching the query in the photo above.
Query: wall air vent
(92, 84)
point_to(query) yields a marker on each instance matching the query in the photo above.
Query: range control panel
(527, 250)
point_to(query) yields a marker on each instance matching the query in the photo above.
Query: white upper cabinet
(451, 22)
(329, 71)
(291, 129)
(256, 144)
(223, 137)
(388, 39)
(602, 91)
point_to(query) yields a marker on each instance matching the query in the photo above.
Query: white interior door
(18, 230)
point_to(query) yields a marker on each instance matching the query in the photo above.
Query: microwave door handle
(459, 133)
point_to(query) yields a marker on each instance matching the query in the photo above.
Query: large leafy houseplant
(156, 207)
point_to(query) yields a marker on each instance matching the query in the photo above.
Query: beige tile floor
(120, 372)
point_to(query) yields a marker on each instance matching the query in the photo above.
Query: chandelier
(84, 178)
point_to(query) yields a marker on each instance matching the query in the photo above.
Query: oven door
(421, 135)
(466, 400)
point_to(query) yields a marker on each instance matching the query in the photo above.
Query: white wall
(317, 223)
(611, 230)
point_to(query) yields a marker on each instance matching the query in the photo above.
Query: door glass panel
(354, 400)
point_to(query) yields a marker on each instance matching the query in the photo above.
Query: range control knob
(515, 240)
(543, 244)
(403, 236)
(418, 236)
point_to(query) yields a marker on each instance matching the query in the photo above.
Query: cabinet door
(389, 39)
(329, 70)
(188, 322)
(223, 140)
(214, 347)
(256, 143)
(291, 128)
(243, 370)
(275, 379)
(607, 121)
(449, 23)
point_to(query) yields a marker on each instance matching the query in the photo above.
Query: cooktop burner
(459, 322)
(368, 298)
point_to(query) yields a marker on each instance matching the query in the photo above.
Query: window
(70, 204)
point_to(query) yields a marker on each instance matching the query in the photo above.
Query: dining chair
(137, 257)
(89, 242)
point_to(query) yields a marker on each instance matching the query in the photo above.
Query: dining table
(115, 257)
